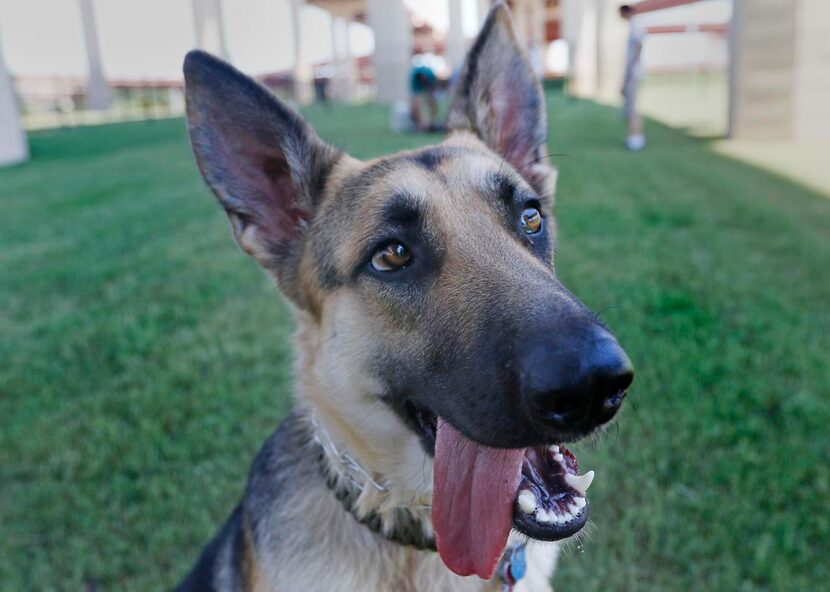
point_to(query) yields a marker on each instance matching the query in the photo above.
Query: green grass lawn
(143, 358)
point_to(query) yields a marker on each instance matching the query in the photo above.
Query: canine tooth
(554, 448)
(580, 502)
(580, 482)
(527, 501)
(573, 509)
(558, 457)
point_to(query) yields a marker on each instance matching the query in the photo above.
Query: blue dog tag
(518, 565)
(513, 567)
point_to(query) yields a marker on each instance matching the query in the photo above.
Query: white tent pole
(98, 93)
(13, 146)
(210, 27)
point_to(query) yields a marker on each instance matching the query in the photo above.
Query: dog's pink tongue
(472, 501)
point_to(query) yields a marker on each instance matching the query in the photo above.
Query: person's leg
(635, 124)
(432, 101)
(417, 112)
(635, 139)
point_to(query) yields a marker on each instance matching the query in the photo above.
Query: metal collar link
(408, 528)
(321, 437)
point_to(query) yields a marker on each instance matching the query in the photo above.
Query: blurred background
(719, 68)
(143, 360)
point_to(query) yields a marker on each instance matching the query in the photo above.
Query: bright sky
(148, 38)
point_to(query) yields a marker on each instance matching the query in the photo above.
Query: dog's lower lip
(550, 501)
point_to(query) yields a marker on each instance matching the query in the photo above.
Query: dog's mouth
(550, 500)
(480, 493)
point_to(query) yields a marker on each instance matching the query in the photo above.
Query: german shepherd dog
(441, 365)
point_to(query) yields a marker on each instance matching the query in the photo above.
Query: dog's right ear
(499, 98)
(265, 164)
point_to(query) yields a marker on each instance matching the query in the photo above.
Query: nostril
(613, 402)
(614, 388)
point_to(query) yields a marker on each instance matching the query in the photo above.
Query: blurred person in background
(635, 140)
(424, 104)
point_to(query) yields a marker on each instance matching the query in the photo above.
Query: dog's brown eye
(531, 220)
(391, 257)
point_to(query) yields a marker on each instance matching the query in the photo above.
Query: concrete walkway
(807, 163)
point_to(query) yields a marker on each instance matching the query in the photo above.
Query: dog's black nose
(575, 383)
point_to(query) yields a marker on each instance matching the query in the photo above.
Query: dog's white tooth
(580, 482)
(573, 509)
(554, 448)
(558, 457)
(580, 502)
(527, 501)
(542, 515)
(552, 516)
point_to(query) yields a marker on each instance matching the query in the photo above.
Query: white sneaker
(635, 143)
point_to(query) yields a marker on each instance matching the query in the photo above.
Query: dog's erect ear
(500, 99)
(265, 164)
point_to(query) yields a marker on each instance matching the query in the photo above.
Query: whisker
(548, 155)
(633, 404)
(607, 308)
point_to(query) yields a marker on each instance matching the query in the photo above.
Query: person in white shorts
(633, 77)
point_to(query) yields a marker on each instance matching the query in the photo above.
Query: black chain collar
(408, 530)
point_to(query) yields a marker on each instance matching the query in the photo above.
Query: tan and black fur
(440, 334)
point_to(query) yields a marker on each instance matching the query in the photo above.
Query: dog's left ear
(500, 99)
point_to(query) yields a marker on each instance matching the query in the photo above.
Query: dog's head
(431, 318)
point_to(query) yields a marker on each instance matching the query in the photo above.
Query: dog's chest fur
(292, 534)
